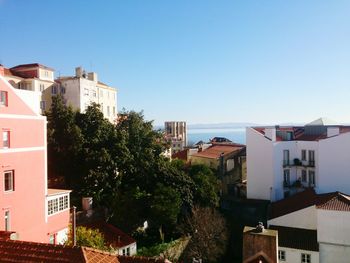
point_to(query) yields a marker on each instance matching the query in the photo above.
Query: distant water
(233, 134)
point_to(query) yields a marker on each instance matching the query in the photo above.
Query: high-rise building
(176, 134)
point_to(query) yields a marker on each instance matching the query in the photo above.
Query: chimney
(2, 70)
(92, 76)
(260, 244)
(270, 133)
(79, 72)
(332, 131)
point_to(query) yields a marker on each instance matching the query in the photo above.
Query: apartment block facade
(282, 161)
(176, 135)
(84, 88)
(27, 206)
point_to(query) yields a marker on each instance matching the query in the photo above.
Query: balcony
(298, 162)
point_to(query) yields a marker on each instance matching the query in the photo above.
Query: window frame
(12, 181)
(3, 98)
(7, 218)
(303, 155)
(8, 139)
(305, 258)
(282, 255)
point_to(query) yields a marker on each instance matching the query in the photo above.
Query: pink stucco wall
(26, 156)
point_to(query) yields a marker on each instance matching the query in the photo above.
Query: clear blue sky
(203, 61)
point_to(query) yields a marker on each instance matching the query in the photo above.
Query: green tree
(206, 185)
(88, 237)
(64, 141)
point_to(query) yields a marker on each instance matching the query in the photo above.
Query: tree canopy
(122, 166)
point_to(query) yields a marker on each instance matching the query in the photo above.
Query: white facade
(294, 255)
(83, 89)
(176, 134)
(129, 250)
(271, 177)
(333, 234)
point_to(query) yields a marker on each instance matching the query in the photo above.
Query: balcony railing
(298, 162)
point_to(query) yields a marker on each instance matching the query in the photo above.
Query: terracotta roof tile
(182, 155)
(136, 259)
(215, 151)
(97, 256)
(297, 238)
(335, 201)
(293, 203)
(21, 251)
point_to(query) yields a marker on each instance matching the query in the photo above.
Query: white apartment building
(312, 227)
(284, 160)
(35, 82)
(176, 134)
(84, 88)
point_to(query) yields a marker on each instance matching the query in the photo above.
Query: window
(8, 181)
(101, 93)
(63, 90)
(113, 111)
(312, 158)
(305, 258)
(128, 251)
(52, 239)
(3, 98)
(42, 87)
(57, 204)
(303, 155)
(303, 176)
(312, 182)
(286, 157)
(54, 90)
(7, 220)
(282, 255)
(94, 93)
(124, 252)
(286, 177)
(86, 92)
(42, 105)
(46, 73)
(107, 110)
(6, 139)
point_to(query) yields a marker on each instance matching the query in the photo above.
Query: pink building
(27, 206)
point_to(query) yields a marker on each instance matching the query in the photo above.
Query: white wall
(62, 236)
(334, 253)
(31, 98)
(333, 227)
(133, 249)
(334, 164)
(294, 255)
(72, 95)
(259, 166)
(304, 218)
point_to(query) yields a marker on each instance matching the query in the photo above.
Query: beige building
(84, 88)
(176, 135)
(35, 82)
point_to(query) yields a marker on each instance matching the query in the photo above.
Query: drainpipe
(74, 227)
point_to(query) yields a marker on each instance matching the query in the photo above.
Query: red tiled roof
(215, 151)
(136, 259)
(299, 132)
(293, 203)
(330, 201)
(32, 65)
(335, 201)
(297, 238)
(113, 236)
(182, 155)
(21, 251)
(97, 256)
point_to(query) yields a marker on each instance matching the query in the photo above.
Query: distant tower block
(176, 134)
